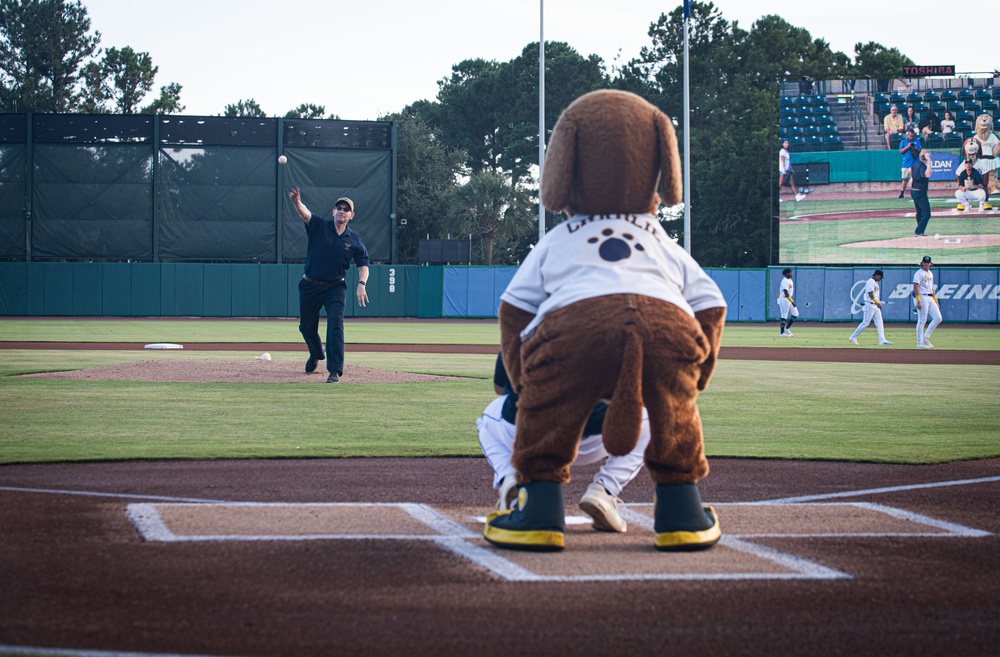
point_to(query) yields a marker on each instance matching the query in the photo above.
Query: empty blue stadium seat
(937, 107)
(991, 105)
(932, 96)
(964, 116)
(974, 106)
(948, 95)
(984, 94)
(919, 106)
(966, 94)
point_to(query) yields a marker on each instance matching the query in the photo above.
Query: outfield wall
(823, 294)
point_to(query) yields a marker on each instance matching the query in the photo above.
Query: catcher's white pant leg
(618, 471)
(496, 439)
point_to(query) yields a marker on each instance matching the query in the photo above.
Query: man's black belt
(316, 281)
(986, 157)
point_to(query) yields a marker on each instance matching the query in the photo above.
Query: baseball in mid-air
(282, 159)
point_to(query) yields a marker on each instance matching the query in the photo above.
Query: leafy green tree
(168, 102)
(427, 172)
(43, 47)
(119, 81)
(245, 108)
(467, 112)
(309, 111)
(876, 61)
(488, 204)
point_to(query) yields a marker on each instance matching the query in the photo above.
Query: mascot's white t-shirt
(595, 256)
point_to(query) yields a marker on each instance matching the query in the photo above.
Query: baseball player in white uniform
(786, 304)
(872, 309)
(927, 303)
(601, 500)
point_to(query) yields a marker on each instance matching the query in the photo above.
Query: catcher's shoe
(681, 522)
(602, 507)
(508, 493)
(960, 207)
(536, 523)
(987, 206)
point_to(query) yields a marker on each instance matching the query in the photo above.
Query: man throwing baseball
(873, 309)
(927, 303)
(332, 246)
(786, 304)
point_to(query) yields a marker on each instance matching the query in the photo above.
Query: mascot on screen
(983, 149)
(608, 306)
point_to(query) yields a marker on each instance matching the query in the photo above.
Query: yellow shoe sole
(690, 541)
(535, 540)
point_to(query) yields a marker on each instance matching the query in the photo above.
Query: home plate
(164, 345)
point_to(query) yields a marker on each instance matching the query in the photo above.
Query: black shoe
(311, 365)
(901, 195)
(333, 378)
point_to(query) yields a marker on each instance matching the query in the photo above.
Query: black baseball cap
(969, 162)
(878, 272)
(926, 259)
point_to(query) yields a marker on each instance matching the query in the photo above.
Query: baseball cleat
(681, 522)
(311, 365)
(853, 341)
(602, 507)
(537, 522)
(927, 343)
(987, 206)
(333, 378)
(788, 333)
(885, 342)
(924, 345)
(960, 207)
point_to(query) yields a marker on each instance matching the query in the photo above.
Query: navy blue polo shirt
(329, 255)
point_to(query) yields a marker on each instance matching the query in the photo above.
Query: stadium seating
(897, 98)
(919, 106)
(937, 107)
(913, 97)
(832, 143)
(932, 96)
(948, 95)
(974, 106)
(964, 116)
(895, 140)
(814, 143)
(966, 94)
(934, 140)
(984, 94)
(991, 106)
(955, 106)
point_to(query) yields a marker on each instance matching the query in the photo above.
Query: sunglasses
(344, 208)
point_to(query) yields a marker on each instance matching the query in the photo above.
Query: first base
(164, 345)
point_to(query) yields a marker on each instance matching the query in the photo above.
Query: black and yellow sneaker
(681, 522)
(537, 522)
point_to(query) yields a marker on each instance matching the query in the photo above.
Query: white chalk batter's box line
(455, 538)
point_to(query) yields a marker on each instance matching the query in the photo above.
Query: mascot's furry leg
(633, 350)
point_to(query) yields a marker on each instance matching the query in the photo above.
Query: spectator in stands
(910, 150)
(921, 179)
(892, 124)
(930, 123)
(947, 123)
(911, 121)
(785, 172)
(970, 186)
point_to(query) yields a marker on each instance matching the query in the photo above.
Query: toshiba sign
(916, 71)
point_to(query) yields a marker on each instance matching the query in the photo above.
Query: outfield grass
(143, 331)
(841, 411)
(822, 242)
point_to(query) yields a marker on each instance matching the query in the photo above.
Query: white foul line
(878, 491)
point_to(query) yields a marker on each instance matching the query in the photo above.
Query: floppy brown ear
(671, 174)
(558, 169)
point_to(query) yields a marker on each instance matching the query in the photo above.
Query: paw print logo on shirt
(614, 248)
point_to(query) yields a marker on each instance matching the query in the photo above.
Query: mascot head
(607, 153)
(971, 149)
(984, 126)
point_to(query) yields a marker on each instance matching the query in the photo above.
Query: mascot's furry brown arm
(607, 306)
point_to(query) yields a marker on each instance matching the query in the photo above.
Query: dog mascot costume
(983, 149)
(607, 306)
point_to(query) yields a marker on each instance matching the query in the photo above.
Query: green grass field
(765, 409)
(806, 241)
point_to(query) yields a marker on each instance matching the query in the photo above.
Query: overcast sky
(364, 58)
